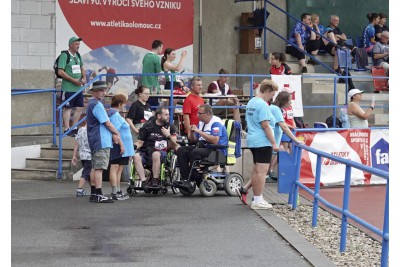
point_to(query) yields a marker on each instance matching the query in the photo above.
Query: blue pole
(385, 241)
(346, 198)
(251, 86)
(316, 192)
(54, 118)
(296, 187)
(60, 137)
(334, 102)
(265, 30)
(171, 99)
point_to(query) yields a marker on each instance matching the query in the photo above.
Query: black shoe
(311, 61)
(156, 183)
(92, 198)
(71, 133)
(103, 199)
(304, 70)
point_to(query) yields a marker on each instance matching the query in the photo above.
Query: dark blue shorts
(77, 101)
(87, 168)
(286, 138)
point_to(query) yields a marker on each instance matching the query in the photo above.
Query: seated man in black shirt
(154, 138)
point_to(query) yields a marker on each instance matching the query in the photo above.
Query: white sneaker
(262, 205)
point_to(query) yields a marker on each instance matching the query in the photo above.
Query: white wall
(20, 154)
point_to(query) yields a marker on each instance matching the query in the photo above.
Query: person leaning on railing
(358, 118)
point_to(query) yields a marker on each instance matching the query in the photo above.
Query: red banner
(133, 22)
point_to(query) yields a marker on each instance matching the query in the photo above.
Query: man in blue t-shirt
(101, 133)
(210, 131)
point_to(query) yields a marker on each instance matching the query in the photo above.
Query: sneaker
(122, 196)
(80, 193)
(72, 133)
(242, 194)
(92, 198)
(273, 175)
(262, 205)
(156, 183)
(103, 199)
(114, 197)
(304, 70)
(270, 180)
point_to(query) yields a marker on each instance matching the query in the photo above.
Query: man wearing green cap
(73, 78)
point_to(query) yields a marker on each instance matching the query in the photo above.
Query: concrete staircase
(46, 166)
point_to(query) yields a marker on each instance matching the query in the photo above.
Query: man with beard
(154, 138)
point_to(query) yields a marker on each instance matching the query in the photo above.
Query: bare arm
(139, 144)
(186, 123)
(269, 134)
(298, 40)
(170, 66)
(130, 123)
(74, 158)
(208, 137)
(354, 109)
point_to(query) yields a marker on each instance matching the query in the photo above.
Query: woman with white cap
(358, 118)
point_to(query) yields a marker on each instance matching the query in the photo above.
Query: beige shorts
(101, 159)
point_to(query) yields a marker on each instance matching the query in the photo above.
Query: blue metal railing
(344, 210)
(15, 92)
(171, 97)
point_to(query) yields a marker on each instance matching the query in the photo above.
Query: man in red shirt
(191, 104)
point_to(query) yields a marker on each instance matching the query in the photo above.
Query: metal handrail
(346, 214)
(37, 91)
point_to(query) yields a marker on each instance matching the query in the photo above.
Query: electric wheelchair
(210, 180)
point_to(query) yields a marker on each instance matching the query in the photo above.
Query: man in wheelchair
(210, 131)
(154, 138)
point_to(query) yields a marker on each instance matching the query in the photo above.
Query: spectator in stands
(298, 36)
(369, 31)
(312, 41)
(337, 38)
(381, 51)
(278, 65)
(358, 118)
(221, 87)
(140, 111)
(119, 156)
(191, 105)
(73, 78)
(380, 27)
(110, 79)
(101, 135)
(320, 29)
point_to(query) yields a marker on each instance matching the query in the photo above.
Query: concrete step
(51, 152)
(379, 120)
(326, 58)
(51, 164)
(39, 174)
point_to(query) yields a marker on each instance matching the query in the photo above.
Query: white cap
(352, 92)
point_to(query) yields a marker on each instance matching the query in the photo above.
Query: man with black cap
(73, 78)
(101, 134)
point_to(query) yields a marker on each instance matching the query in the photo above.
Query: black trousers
(186, 156)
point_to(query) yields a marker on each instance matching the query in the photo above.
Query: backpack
(329, 122)
(55, 66)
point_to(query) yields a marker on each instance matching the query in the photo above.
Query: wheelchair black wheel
(164, 191)
(208, 188)
(129, 190)
(232, 182)
(175, 176)
(187, 192)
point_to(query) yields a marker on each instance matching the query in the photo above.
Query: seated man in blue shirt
(210, 131)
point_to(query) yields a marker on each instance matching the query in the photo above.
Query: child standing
(82, 144)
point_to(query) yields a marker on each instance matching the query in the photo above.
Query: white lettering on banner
(168, 5)
(359, 134)
(381, 158)
(142, 3)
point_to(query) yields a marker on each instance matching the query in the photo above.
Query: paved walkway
(52, 227)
